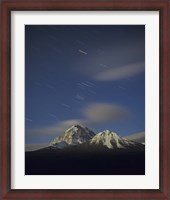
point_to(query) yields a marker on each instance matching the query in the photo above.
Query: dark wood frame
(5, 104)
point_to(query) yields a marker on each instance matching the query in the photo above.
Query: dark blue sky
(92, 75)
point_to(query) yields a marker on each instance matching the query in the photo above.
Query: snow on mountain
(112, 140)
(73, 136)
(85, 138)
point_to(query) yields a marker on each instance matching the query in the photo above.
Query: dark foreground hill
(74, 162)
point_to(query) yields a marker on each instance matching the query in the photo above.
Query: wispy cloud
(63, 125)
(33, 147)
(122, 72)
(104, 112)
(53, 130)
(138, 137)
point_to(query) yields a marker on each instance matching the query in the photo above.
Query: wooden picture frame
(5, 88)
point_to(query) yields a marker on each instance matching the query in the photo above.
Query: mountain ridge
(78, 135)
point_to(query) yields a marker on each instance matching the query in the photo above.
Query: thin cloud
(138, 137)
(63, 125)
(118, 73)
(103, 112)
(53, 130)
(33, 147)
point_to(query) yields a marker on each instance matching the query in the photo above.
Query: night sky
(92, 75)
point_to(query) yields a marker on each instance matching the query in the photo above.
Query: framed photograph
(84, 99)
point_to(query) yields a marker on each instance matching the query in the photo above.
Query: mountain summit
(108, 139)
(112, 140)
(73, 136)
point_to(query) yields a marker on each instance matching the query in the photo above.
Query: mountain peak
(77, 126)
(75, 135)
(112, 140)
(109, 132)
(108, 138)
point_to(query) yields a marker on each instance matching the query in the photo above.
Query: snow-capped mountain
(112, 140)
(73, 136)
(83, 139)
